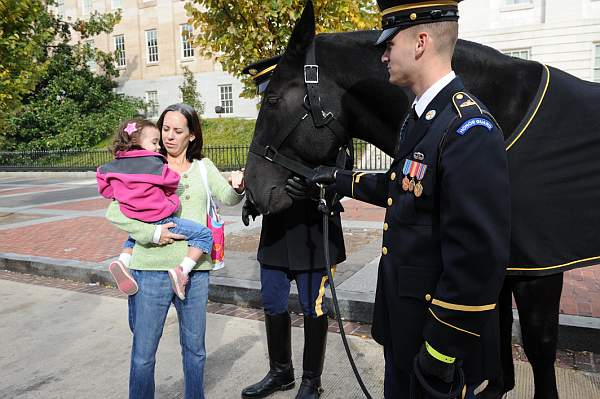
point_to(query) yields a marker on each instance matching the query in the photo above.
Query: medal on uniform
(413, 172)
(420, 175)
(405, 170)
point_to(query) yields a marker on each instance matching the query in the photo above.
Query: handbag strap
(204, 174)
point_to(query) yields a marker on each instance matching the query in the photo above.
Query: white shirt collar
(421, 103)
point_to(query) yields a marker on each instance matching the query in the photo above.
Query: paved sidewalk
(71, 340)
(55, 226)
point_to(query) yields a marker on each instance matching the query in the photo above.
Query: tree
(29, 34)
(49, 99)
(72, 107)
(189, 91)
(239, 32)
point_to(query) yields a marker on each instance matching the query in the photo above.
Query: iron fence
(226, 158)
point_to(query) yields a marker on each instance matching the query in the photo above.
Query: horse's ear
(304, 31)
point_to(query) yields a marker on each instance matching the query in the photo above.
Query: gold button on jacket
(390, 202)
(384, 250)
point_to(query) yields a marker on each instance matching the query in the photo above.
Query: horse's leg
(504, 382)
(538, 300)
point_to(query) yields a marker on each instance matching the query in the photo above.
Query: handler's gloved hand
(437, 378)
(248, 209)
(430, 366)
(299, 189)
(323, 174)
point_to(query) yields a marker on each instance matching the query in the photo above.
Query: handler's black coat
(293, 239)
(444, 254)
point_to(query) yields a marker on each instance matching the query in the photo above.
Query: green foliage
(227, 131)
(29, 34)
(189, 91)
(239, 32)
(49, 99)
(71, 108)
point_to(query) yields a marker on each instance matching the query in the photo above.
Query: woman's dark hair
(127, 137)
(194, 150)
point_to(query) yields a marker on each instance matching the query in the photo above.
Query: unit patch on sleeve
(464, 128)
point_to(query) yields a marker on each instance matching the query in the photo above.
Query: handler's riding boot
(281, 373)
(315, 340)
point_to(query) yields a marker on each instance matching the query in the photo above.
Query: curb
(576, 333)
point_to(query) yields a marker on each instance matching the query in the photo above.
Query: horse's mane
(507, 85)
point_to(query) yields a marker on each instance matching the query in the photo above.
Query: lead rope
(325, 210)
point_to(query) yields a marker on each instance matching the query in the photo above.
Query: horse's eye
(272, 100)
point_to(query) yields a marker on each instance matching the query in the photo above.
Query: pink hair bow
(131, 127)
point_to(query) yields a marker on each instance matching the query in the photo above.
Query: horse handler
(447, 225)
(291, 248)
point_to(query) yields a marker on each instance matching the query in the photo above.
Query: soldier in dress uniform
(446, 231)
(291, 248)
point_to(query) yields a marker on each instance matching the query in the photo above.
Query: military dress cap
(261, 71)
(401, 14)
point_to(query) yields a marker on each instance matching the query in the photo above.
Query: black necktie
(407, 125)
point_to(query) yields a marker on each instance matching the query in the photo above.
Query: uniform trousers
(275, 289)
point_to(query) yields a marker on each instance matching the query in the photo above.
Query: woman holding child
(157, 247)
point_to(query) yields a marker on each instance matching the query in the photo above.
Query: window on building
(91, 63)
(187, 50)
(152, 102)
(226, 98)
(523, 53)
(152, 45)
(120, 51)
(514, 2)
(87, 7)
(116, 4)
(597, 63)
(60, 9)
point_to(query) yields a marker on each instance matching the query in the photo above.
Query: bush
(71, 107)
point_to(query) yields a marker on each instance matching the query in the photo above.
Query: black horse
(552, 134)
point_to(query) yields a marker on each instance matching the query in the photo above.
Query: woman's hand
(167, 237)
(236, 179)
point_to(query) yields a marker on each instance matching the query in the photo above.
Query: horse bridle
(321, 119)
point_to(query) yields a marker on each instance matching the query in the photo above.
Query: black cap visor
(387, 34)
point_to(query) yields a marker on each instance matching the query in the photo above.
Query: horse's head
(285, 124)
(352, 93)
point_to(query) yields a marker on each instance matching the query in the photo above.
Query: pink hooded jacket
(142, 183)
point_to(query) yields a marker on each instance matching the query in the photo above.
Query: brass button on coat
(185, 175)
(187, 186)
(385, 227)
(428, 297)
(187, 197)
(393, 176)
(384, 250)
(390, 201)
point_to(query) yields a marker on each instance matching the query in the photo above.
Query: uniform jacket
(293, 239)
(142, 183)
(444, 252)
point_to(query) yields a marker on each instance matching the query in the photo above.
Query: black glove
(299, 189)
(437, 378)
(323, 175)
(430, 366)
(248, 209)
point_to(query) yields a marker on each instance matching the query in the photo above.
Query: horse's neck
(369, 107)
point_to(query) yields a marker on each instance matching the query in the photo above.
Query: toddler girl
(140, 180)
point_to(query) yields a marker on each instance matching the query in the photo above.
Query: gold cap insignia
(413, 16)
(252, 71)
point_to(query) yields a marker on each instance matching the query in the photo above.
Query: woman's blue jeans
(147, 313)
